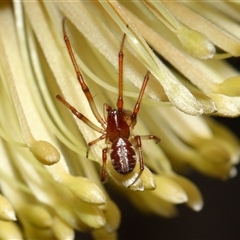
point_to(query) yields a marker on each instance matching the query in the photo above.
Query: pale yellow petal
(6, 210)
(61, 230)
(10, 230)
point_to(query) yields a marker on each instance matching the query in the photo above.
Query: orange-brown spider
(117, 125)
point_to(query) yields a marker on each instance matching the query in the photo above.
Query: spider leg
(106, 108)
(80, 115)
(138, 143)
(150, 137)
(81, 80)
(94, 142)
(120, 76)
(138, 103)
(104, 158)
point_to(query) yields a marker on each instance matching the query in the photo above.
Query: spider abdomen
(123, 156)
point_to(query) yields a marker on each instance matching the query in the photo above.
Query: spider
(117, 124)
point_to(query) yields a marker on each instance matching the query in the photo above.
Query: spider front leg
(120, 76)
(81, 81)
(139, 100)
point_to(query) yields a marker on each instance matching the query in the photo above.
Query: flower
(47, 183)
